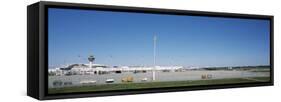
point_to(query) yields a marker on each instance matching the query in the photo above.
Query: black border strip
(44, 20)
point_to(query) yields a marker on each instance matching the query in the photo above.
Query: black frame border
(43, 48)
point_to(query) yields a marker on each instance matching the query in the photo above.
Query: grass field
(125, 86)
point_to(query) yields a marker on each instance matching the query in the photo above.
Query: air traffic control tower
(91, 59)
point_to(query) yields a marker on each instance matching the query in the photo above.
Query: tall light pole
(154, 58)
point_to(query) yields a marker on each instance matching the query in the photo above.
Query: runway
(160, 76)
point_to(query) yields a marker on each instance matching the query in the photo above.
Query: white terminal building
(92, 68)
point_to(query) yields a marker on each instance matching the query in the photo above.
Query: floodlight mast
(154, 58)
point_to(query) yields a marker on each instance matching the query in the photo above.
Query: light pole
(154, 57)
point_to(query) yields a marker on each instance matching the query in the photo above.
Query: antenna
(79, 61)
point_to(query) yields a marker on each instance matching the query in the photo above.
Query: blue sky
(122, 38)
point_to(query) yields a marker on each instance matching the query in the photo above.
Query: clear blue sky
(121, 38)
